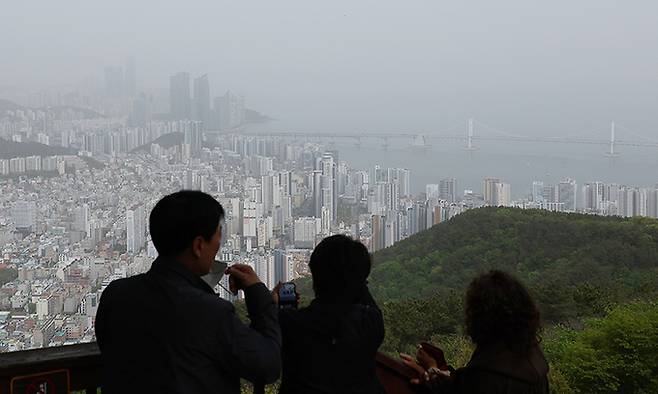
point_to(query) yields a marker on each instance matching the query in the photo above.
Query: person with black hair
(166, 331)
(330, 346)
(503, 323)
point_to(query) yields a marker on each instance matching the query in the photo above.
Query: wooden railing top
(58, 354)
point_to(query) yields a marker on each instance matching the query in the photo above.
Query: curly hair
(499, 308)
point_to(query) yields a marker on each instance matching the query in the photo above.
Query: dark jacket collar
(165, 265)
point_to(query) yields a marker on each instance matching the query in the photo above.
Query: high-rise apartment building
(193, 138)
(329, 191)
(179, 96)
(378, 238)
(201, 108)
(281, 273)
(305, 230)
(489, 190)
(566, 194)
(400, 176)
(81, 222)
(135, 229)
(593, 196)
(503, 194)
(448, 190)
(537, 192)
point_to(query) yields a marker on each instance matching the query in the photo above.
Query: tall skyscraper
(566, 194)
(249, 218)
(378, 239)
(401, 176)
(201, 109)
(304, 231)
(549, 194)
(448, 190)
(329, 194)
(537, 192)
(281, 273)
(135, 229)
(489, 190)
(316, 185)
(179, 96)
(503, 194)
(652, 203)
(193, 138)
(593, 196)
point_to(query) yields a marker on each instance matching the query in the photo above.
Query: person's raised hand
(241, 276)
(275, 292)
(411, 363)
(425, 359)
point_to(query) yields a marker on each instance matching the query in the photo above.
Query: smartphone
(288, 296)
(437, 355)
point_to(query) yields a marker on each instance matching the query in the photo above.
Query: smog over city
(381, 120)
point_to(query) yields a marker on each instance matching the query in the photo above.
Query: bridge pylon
(469, 136)
(419, 142)
(612, 152)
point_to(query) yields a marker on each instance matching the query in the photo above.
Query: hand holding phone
(435, 353)
(287, 293)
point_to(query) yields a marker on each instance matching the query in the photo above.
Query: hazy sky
(545, 67)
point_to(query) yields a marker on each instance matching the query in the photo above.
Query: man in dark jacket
(166, 331)
(330, 346)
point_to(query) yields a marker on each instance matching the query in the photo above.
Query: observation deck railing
(80, 364)
(79, 367)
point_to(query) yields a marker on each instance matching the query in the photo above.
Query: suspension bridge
(475, 132)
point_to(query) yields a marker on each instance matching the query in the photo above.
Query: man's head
(186, 226)
(339, 266)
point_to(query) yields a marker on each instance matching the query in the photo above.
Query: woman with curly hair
(503, 322)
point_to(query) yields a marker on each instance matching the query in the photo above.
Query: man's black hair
(180, 217)
(340, 267)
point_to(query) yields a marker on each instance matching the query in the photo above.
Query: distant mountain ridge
(166, 141)
(11, 149)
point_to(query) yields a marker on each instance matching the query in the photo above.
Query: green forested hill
(574, 264)
(587, 273)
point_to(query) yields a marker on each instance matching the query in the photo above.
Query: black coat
(330, 348)
(166, 331)
(497, 370)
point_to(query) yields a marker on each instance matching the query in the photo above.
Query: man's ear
(197, 246)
